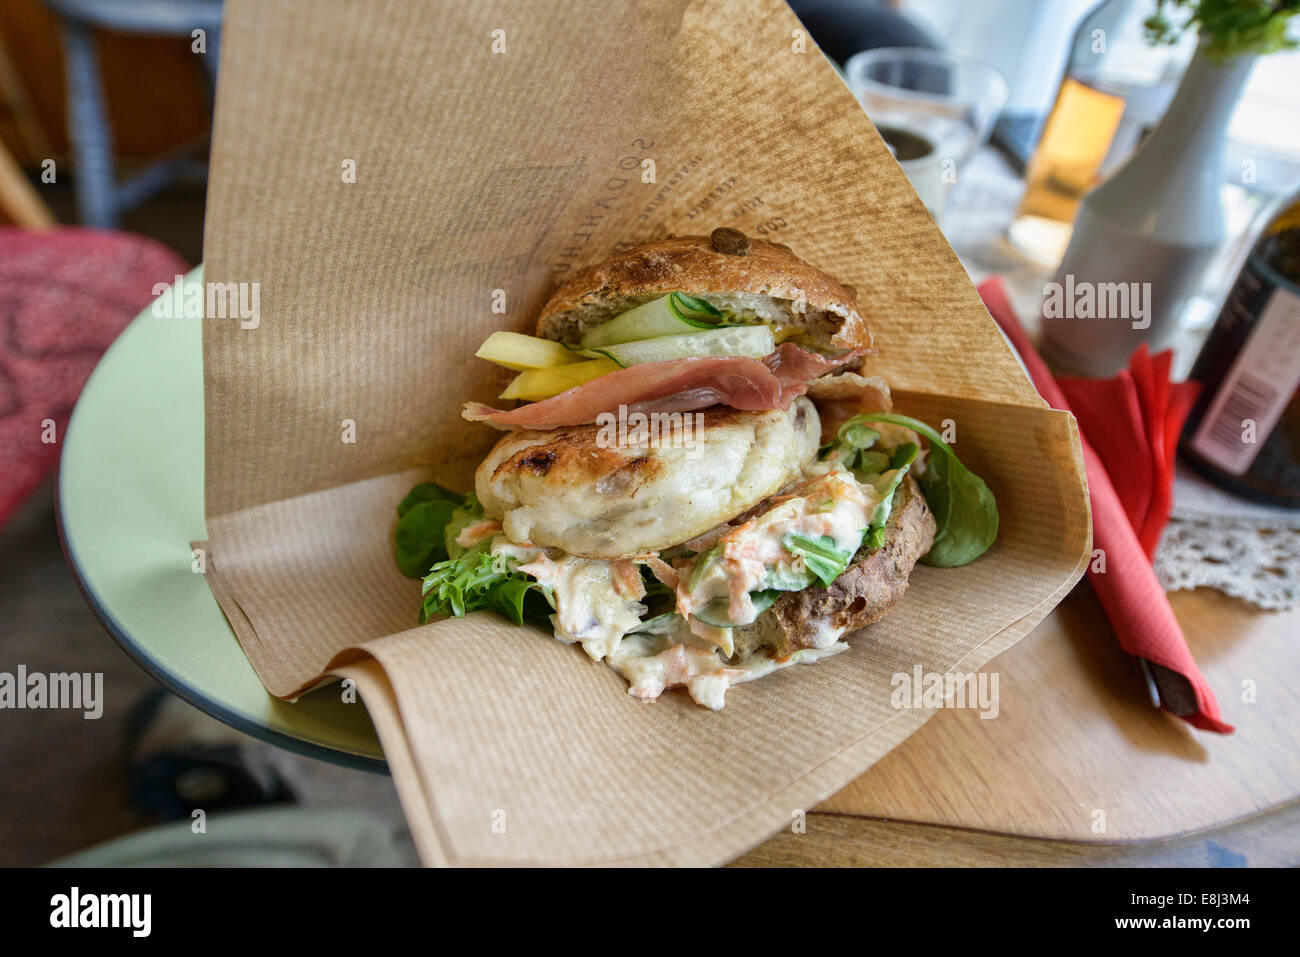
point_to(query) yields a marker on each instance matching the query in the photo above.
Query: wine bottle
(1116, 87)
(1244, 431)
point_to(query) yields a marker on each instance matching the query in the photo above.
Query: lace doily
(1216, 540)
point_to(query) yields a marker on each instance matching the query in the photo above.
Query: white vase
(1143, 237)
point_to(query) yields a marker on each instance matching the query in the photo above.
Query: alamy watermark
(1130, 301)
(210, 300)
(929, 689)
(655, 430)
(78, 691)
(133, 912)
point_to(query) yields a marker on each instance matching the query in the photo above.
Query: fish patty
(578, 489)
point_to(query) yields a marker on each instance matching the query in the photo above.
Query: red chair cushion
(65, 295)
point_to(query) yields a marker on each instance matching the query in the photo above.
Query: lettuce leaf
(458, 580)
(477, 580)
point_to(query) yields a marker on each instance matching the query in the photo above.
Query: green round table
(130, 500)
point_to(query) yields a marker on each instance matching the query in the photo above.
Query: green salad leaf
(820, 555)
(854, 440)
(427, 492)
(717, 612)
(458, 580)
(422, 517)
(467, 513)
(701, 565)
(478, 580)
(885, 483)
(965, 511)
(664, 624)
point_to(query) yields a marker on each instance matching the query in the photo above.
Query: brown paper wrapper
(479, 170)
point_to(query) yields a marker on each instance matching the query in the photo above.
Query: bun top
(749, 278)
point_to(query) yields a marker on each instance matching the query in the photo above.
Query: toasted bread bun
(817, 617)
(747, 277)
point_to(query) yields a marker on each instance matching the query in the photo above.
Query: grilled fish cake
(579, 490)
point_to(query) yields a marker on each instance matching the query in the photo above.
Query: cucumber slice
(751, 341)
(715, 612)
(693, 307)
(658, 625)
(785, 578)
(702, 563)
(672, 314)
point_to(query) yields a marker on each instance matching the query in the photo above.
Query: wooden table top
(1076, 733)
(1078, 762)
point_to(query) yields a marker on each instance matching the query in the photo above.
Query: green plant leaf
(478, 580)
(701, 565)
(427, 492)
(820, 555)
(467, 513)
(965, 512)
(1228, 28)
(418, 542)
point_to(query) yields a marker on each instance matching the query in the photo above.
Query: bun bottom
(863, 594)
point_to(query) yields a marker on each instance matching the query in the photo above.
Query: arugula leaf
(885, 484)
(857, 435)
(903, 456)
(868, 463)
(478, 580)
(422, 518)
(965, 512)
(853, 439)
(784, 577)
(820, 555)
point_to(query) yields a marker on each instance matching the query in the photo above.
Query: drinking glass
(933, 109)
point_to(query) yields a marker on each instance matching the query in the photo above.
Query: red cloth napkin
(1132, 422)
(1129, 426)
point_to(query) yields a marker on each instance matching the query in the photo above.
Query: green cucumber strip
(785, 578)
(647, 321)
(715, 612)
(706, 558)
(753, 342)
(658, 625)
(692, 307)
(673, 314)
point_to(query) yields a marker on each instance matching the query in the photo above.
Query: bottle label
(1256, 390)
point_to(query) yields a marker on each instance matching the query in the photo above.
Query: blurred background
(104, 122)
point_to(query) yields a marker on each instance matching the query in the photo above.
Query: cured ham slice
(679, 385)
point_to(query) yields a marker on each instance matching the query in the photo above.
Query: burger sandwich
(698, 485)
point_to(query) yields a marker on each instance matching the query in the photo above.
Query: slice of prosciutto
(679, 385)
